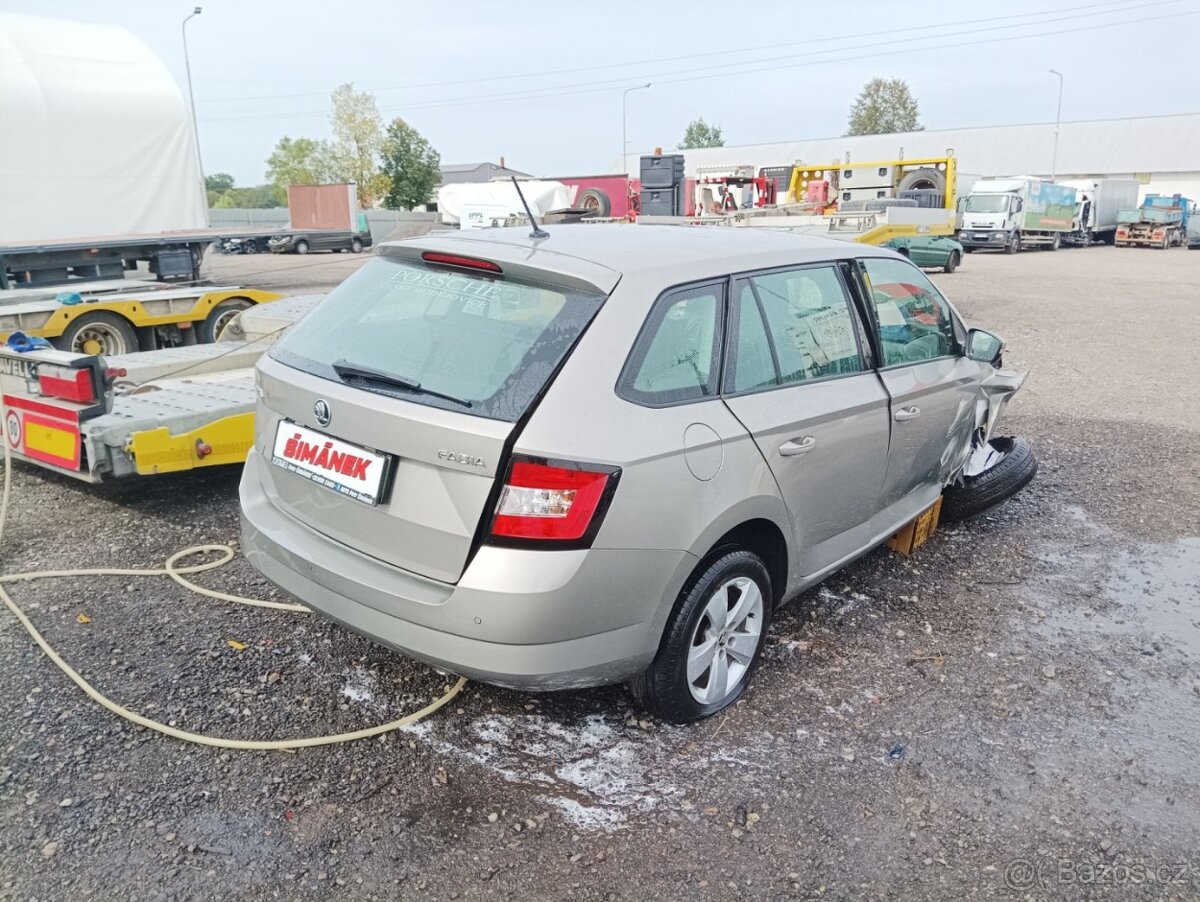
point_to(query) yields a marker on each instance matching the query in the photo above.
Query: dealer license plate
(345, 468)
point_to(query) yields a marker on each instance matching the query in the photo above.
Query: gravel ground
(1012, 712)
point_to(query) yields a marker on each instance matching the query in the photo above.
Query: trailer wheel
(100, 332)
(952, 262)
(210, 328)
(301, 246)
(595, 201)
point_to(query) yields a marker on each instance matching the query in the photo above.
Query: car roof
(701, 251)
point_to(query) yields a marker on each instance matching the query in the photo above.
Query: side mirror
(983, 346)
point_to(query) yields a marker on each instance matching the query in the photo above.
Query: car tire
(987, 489)
(99, 332)
(953, 262)
(301, 247)
(356, 246)
(210, 329)
(672, 688)
(595, 202)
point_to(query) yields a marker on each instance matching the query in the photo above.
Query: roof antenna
(537, 232)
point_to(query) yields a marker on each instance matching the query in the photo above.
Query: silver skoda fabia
(607, 455)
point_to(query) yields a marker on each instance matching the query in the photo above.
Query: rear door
(932, 387)
(459, 355)
(798, 380)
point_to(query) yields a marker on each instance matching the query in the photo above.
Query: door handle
(907, 413)
(794, 447)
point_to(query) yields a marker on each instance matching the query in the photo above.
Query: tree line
(395, 167)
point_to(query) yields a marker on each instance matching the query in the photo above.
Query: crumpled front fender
(996, 391)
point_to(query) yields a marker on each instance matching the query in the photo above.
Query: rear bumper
(523, 619)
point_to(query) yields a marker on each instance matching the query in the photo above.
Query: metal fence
(381, 222)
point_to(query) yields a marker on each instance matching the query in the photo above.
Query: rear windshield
(465, 341)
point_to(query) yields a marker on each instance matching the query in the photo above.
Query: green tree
(700, 134)
(357, 142)
(411, 165)
(302, 161)
(219, 182)
(885, 106)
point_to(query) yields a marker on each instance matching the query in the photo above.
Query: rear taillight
(67, 383)
(553, 501)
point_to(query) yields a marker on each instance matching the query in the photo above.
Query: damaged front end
(995, 391)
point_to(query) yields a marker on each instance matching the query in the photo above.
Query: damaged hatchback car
(608, 454)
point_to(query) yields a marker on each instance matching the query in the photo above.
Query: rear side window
(810, 321)
(752, 359)
(675, 359)
(471, 342)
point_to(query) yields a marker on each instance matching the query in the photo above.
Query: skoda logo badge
(321, 412)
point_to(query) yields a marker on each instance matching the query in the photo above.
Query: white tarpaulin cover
(95, 136)
(498, 199)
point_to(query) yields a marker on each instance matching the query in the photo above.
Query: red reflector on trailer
(456, 260)
(66, 382)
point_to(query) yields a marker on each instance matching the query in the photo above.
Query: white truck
(1097, 204)
(1009, 214)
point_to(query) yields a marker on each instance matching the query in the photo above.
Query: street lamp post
(192, 97)
(624, 139)
(1057, 121)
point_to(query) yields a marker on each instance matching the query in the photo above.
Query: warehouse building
(1161, 152)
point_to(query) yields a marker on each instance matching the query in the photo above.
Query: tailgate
(440, 468)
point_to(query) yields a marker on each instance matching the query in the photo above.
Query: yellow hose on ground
(176, 573)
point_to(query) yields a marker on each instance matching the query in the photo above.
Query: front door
(932, 386)
(797, 381)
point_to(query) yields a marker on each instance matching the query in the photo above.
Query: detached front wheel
(712, 640)
(1009, 465)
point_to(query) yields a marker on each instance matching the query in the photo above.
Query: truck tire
(100, 332)
(918, 179)
(301, 246)
(356, 246)
(953, 262)
(210, 329)
(984, 490)
(1014, 243)
(595, 201)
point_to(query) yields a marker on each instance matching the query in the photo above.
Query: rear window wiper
(345, 368)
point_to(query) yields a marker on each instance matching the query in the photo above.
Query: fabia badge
(321, 412)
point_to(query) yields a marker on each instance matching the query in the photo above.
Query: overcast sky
(461, 71)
